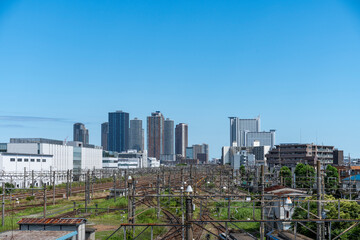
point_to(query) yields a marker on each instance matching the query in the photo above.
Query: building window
(26, 159)
(37, 160)
(44, 160)
(12, 159)
(32, 160)
(19, 160)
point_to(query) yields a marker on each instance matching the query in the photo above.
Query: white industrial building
(110, 162)
(129, 160)
(153, 162)
(15, 162)
(65, 156)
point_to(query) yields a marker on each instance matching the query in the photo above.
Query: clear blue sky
(296, 63)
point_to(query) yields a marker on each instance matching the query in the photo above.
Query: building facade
(104, 135)
(65, 156)
(155, 134)
(169, 137)
(292, 154)
(118, 137)
(136, 136)
(181, 139)
(81, 134)
(239, 128)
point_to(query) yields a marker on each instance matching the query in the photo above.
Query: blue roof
(355, 177)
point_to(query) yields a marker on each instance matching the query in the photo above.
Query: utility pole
(319, 224)
(182, 206)
(44, 200)
(158, 196)
(189, 208)
(3, 204)
(114, 180)
(32, 182)
(70, 181)
(24, 177)
(67, 184)
(130, 204)
(53, 184)
(262, 224)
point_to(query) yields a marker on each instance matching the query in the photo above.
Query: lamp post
(182, 212)
(189, 210)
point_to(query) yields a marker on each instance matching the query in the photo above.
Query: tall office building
(118, 137)
(169, 137)
(104, 135)
(81, 134)
(136, 136)
(155, 134)
(240, 127)
(181, 139)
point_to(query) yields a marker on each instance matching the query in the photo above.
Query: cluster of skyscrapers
(164, 140)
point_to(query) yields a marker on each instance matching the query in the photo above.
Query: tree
(242, 170)
(305, 176)
(331, 179)
(348, 210)
(285, 173)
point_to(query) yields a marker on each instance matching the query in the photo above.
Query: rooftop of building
(38, 235)
(25, 154)
(52, 221)
(52, 141)
(36, 140)
(284, 191)
(353, 178)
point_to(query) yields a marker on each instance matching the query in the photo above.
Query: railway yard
(183, 202)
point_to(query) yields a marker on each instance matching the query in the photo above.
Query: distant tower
(181, 139)
(169, 137)
(155, 134)
(240, 127)
(81, 134)
(104, 135)
(136, 136)
(118, 138)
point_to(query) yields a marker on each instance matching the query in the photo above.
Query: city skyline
(295, 64)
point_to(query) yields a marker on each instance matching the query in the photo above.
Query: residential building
(169, 137)
(81, 134)
(292, 154)
(155, 134)
(104, 135)
(118, 138)
(181, 139)
(136, 135)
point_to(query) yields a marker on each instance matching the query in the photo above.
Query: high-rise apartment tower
(181, 139)
(155, 134)
(118, 137)
(104, 135)
(81, 134)
(136, 135)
